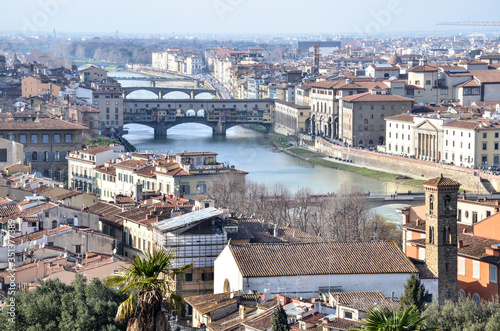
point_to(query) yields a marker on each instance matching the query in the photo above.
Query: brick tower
(441, 234)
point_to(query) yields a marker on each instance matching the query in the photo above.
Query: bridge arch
(190, 113)
(142, 93)
(200, 113)
(176, 95)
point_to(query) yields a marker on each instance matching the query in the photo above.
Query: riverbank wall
(472, 180)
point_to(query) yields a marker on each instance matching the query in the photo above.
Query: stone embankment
(472, 180)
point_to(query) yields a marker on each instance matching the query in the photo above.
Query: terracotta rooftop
(342, 324)
(283, 259)
(369, 97)
(95, 150)
(401, 117)
(209, 302)
(41, 124)
(364, 301)
(441, 181)
(423, 69)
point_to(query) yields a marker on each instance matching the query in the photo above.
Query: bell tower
(441, 196)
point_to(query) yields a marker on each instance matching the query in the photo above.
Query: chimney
(417, 222)
(276, 231)
(460, 244)
(243, 313)
(392, 296)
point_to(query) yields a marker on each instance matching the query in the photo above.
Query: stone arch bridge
(162, 91)
(220, 115)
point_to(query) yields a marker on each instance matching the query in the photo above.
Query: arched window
(54, 224)
(476, 298)
(431, 235)
(227, 286)
(431, 204)
(447, 203)
(461, 293)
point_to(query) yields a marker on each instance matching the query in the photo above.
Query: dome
(394, 59)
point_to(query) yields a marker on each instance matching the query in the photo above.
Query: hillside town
(85, 204)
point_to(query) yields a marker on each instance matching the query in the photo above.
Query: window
(461, 266)
(447, 203)
(57, 138)
(485, 146)
(474, 217)
(189, 277)
(22, 138)
(348, 315)
(476, 269)
(184, 188)
(496, 134)
(45, 138)
(427, 82)
(485, 135)
(68, 138)
(493, 273)
(3, 155)
(207, 276)
(78, 249)
(431, 204)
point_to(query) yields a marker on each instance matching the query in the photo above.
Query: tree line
(342, 216)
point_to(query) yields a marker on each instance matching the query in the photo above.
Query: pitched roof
(401, 117)
(209, 302)
(369, 97)
(423, 69)
(441, 181)
(363, 301)
(283, 259)
(41, 124)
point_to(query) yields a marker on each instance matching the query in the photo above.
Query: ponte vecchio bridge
(163, 114)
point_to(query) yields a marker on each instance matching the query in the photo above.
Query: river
(250, 151)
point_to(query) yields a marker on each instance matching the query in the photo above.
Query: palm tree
(147, 281)
(385, 320)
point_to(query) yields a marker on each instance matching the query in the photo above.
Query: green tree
(279, 320)
(415, 294)
(53, 305)
(472, 54)
(146, 282)
(464, 315)
(384, 319)
(101, 141)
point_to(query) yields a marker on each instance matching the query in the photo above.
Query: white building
(81, 166)
(305, 269)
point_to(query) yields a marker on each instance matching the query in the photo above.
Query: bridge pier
(153, 84)
(160, 131)
(219, 130)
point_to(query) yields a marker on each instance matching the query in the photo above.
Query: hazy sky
(240, 16)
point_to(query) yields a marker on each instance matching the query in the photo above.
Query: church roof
(395, 59)
(441, 181)
(284, 259)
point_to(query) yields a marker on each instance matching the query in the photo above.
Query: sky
(166, 17)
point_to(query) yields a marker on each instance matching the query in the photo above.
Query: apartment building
(363, 116)
(290, 118)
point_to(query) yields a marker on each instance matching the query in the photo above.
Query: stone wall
(469, 178)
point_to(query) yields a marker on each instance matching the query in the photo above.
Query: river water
(250, 151)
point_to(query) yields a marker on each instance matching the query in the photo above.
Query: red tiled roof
(401, 117)
(283, 259)
(423, 69)
(363, 301)
(441, 181)
(41, 124)
(369, 97)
